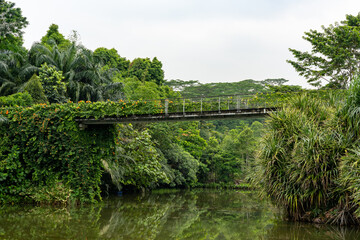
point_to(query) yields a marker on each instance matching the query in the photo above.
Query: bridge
(201, 108)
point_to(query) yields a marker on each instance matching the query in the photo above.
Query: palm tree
(85, 77)
(15, 71)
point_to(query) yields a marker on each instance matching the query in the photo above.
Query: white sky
(205, 40)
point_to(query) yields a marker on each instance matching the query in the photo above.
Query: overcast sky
(205, 40)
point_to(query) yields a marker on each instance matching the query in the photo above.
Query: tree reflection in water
(164, 214)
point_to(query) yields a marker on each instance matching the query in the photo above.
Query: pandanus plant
(299, 157)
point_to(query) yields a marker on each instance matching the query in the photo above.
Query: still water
(196, 214)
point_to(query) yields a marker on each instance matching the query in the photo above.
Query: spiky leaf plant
(299, 156)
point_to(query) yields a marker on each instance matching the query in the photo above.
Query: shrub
(17, 99)
(299, 157)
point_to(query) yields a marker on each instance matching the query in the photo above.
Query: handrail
(240, 94)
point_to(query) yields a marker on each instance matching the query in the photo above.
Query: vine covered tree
(335, 54)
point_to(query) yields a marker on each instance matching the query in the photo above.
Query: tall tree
(15, 71)
(11, 24)
(111, 59)
(83, 75)
(53, 36)
(147, 70)
(139, 68)
(54, 87)
(36, 90)
(156, 72)
(335, 54)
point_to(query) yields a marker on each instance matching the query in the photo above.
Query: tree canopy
(11, 24)
(335, 54)
(112, 59)
(53, 36)
(194, 88)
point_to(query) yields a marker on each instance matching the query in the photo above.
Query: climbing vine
(45, 157)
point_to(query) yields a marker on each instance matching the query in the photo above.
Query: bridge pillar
(166, 107)
(219, 105)
(237, 103)
(184, 107)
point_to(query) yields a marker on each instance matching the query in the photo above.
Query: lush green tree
(11, 25)
(35, 89)
(15, 71)
(156, 72)
(180, 166)
(54, 37)
(335, 55)
(137, 163)
(111, 59)
(83, 74)
(146, 70)
(207, 170)
(54, 87)
(135, 89)
(14, 67)
(188, 136)
(139, 68)
(229, 157)
(167, 92)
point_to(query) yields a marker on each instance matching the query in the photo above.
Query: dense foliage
(308, 158)
(334, 57)
(45, 157)
(44, 153)
(11, 25)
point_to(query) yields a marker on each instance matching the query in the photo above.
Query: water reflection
(197, 214)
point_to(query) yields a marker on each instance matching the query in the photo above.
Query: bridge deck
(180, 116)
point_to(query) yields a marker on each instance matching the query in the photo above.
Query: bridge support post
(184, 107)
(219, 106)
(166, 107)
(237, 103)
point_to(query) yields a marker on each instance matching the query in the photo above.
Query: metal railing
(232, 102)
(210, 104)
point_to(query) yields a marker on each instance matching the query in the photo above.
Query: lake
(165, 214)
